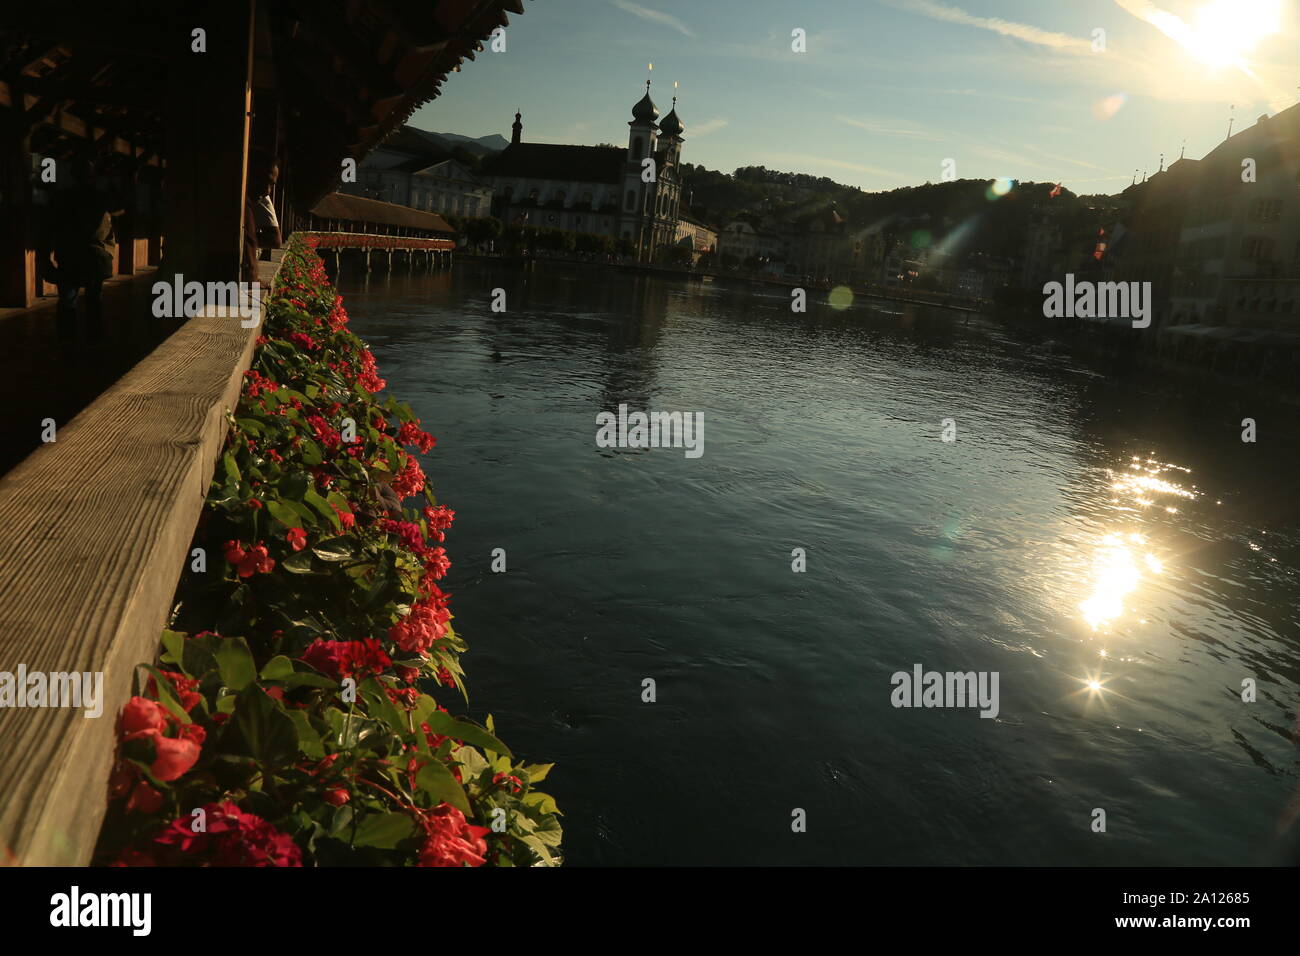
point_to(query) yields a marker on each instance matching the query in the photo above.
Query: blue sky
(889, 89)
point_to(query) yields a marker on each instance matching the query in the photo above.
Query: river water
(1103, 541)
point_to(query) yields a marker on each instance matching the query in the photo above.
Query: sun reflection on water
(1122, 558)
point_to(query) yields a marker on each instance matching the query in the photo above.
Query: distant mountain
(481, 145)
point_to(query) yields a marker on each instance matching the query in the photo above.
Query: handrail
(97, 527)
(368, 240)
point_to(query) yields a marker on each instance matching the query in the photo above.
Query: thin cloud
(654, 16)
(890, 128)
(1021, 31)
(804, 158)
(1069, 159)
(705, 128)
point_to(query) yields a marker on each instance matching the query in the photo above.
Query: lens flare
(841, 298)
(999, 188)
(1107, 108)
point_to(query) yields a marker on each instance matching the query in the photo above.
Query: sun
(1227, 31)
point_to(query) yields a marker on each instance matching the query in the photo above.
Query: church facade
(597, 189)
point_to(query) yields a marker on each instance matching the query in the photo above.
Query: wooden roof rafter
(326, 23)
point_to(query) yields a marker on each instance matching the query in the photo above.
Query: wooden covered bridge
(180, 106)
(373, 232)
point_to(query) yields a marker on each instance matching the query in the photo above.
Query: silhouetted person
(80, 237)
(261, 225)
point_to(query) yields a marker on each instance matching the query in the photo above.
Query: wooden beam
(422, 33)
(18, 287)
(101, 28)
(207, 125)
(126, 96)
(357, 59)
(98, 527)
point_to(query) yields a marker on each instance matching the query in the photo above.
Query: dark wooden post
(207, 140)
(17, 257)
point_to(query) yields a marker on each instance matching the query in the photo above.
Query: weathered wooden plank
(97, 527)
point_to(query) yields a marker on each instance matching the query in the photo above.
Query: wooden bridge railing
(97, 527)
(367, 240)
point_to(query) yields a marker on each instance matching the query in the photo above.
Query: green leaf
(335, 549)
(347, 733)
(165, 695)
(174, 643)
(436, 780)
(294, 485)
(268, 732)
(537, 846)
(311, 453)
(310, 679)
(231, 469)
(342, 818)
(235, 663)
(543, 802)
(277, 668)
(306, 517)
(313, 498)
(309, 741)
(383, 830)
(441, 723)
(537, 771)
(298, 563)
(283, 513)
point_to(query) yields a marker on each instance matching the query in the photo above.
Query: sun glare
(1226, 31)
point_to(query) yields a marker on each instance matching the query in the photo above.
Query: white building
(741, 240)
(452, 190)
(1239, 247)
(597, 189)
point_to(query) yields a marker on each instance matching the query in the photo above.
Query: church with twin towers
(597, 189)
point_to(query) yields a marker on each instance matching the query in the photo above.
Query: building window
(638, 148)
(1266, 210)
(1256, 248)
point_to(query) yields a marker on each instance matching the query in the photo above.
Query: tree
(680, 255)
(482, 229)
